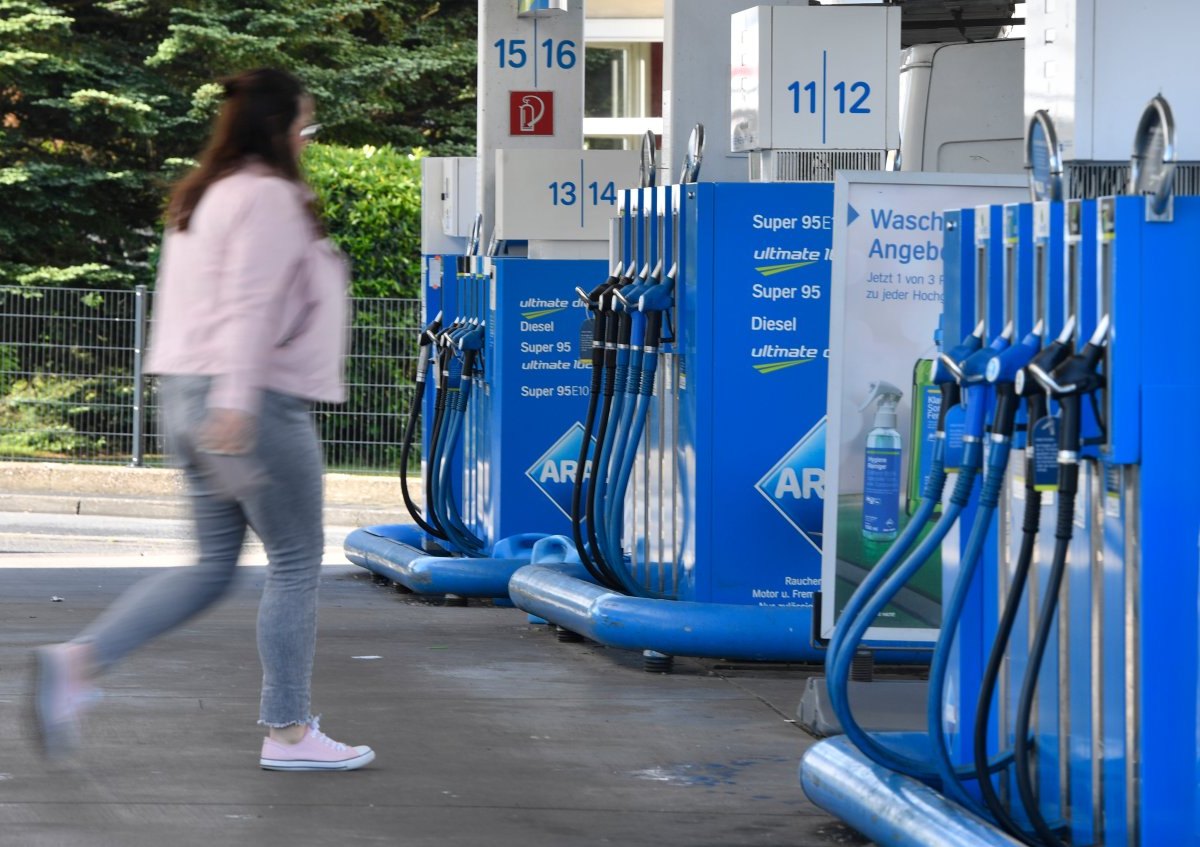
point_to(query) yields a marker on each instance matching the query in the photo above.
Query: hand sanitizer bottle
(881, 477)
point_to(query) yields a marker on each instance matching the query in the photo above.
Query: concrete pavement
(488, 730)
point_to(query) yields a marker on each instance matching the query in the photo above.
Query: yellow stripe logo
(773, 367)
(771, 270)
(540, 313)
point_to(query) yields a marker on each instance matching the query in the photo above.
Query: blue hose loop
(989, 499)
(521, 545)
(554, 549)
(839, 677)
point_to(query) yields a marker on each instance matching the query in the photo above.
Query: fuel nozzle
(1051, 356)
(429, 334)
(1068, 383)
(592, 298)
(973, 379)
(947, 369)
(1002, 371)
(427, 338)
(630, 296)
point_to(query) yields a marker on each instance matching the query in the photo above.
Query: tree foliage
(102, 104)
(373, 194)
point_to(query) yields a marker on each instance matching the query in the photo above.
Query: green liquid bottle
(927, 405)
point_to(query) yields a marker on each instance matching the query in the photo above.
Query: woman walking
(249, 331)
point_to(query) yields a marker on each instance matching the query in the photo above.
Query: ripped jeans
(285, 513)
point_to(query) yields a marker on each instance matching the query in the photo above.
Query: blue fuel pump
(506, 362)
(1091, 672)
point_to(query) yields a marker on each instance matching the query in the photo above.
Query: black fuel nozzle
(593, 298)
(430, 332)
(1074, 377)
(427, 338)
(1050, 357)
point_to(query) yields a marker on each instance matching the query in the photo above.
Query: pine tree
(102, 104)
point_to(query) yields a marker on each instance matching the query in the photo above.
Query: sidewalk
(56, 488)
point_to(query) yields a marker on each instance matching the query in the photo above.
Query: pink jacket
(251, 296)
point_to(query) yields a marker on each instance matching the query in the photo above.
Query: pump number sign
(560, 194)
(820, 77)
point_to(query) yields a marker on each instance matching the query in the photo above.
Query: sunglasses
(309, 132)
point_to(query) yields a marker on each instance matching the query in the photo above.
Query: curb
(114, 491)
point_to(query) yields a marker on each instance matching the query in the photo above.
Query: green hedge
(371, 200)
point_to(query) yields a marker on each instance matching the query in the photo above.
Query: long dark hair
(259, 109)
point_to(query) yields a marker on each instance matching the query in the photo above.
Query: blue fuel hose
(424, 350)
(460, 536)
(1067, 384)
(457, 379)
(628, 369)
(1001, 373)
(595, 494)
(970, 369)
(931, 497)
(632, 421)
(1012, 370)
(594, 299)
(840, 673)
(651, 302)
(989, 499)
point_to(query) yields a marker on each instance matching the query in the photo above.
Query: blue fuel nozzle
(661, 296)
(1004, 367)
(473, 338)
(948, 368)
(630, 295)
(974, 368)
(973, 380)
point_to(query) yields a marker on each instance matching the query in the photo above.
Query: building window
(622, 93)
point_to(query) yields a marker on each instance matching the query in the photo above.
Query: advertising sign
(886, 302)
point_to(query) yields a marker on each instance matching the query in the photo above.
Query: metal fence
(71, 387)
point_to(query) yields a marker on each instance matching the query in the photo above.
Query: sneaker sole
(54, 741)
(307, 765)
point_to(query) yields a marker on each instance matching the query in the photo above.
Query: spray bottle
(881, 477)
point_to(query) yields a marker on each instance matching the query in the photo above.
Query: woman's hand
(227, 431)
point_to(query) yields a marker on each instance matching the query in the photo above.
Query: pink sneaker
(60, 695)
(316, 751)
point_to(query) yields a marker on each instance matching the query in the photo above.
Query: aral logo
(554, 472)
(796, 485)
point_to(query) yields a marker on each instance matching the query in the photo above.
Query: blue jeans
(285, 512)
